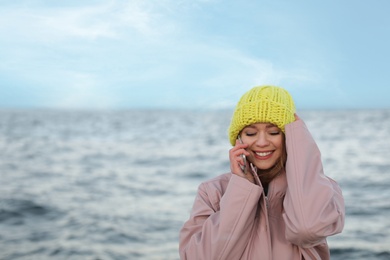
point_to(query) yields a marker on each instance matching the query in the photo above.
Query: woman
(276, 203)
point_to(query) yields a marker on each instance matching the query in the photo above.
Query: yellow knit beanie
(262, 104)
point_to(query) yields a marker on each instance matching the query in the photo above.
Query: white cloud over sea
(192, 54)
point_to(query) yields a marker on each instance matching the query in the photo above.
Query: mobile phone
(243, 167)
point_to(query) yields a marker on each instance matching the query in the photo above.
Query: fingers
(239, 149)
(236, 159)
(296, 117)
(240, 145)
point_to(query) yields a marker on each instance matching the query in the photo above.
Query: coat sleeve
(220, 234)
(313, 205)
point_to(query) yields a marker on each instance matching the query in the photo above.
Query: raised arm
(220, 230)
(314, 205)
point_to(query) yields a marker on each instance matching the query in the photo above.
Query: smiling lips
(264, 155)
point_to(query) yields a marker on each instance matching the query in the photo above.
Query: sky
(192, 54)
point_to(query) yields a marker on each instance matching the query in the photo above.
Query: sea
(120, 184)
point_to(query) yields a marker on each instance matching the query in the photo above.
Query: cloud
(79, 90)
(106, 20)
(115, 52)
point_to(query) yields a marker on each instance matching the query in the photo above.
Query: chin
(264, 167)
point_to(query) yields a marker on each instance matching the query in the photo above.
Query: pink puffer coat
(233, 219)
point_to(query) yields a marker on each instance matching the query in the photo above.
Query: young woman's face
(265, 144)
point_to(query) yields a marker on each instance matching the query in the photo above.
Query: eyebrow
(267, 126)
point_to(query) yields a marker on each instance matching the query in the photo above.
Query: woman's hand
(236, 161)
(296, 117)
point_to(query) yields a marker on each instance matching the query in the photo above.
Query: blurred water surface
(120, 184)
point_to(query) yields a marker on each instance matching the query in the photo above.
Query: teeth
(264, 154)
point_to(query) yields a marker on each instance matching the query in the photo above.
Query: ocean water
(120, 184)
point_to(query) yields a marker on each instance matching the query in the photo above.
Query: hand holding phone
(243, 167)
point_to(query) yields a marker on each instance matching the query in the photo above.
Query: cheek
(278, 142)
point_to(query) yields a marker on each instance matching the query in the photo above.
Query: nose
(262, 140)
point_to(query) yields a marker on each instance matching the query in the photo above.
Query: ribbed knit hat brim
(262, 104)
